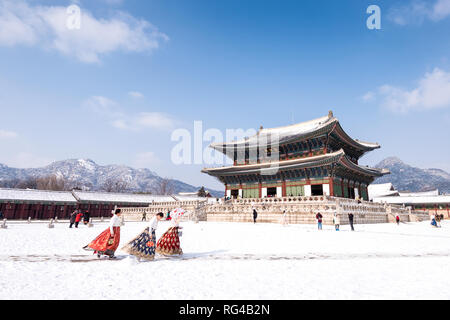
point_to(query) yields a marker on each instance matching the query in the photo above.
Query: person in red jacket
(319, 220)
(78, 219)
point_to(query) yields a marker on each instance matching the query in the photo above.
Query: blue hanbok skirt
(143, 246)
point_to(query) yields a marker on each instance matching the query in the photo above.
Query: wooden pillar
(283, 188)
(331, 187)
(260, 189)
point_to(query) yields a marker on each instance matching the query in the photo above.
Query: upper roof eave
(290, 133)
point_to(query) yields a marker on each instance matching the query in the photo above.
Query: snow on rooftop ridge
(289, 130)
(120, 197)
(36, 195)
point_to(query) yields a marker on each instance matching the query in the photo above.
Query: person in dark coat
(86, 217)
(1, 215)
(255, 215)
(350, 220)
(72, 218)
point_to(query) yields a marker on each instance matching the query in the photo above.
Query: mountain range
(88, 175)
(407, 178)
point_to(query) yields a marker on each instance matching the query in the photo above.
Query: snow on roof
(36, 195)
(120, 197)
(424, 193)
(381, 190)
(442, 199)
(283, 132)
(287, 133)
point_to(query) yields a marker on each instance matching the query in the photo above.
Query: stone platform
(299, 210)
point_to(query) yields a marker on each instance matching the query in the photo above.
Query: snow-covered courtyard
(231, 261)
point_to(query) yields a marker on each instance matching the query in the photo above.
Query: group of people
(336, 221)
(436, 220)
(77, 216)
(144, 245)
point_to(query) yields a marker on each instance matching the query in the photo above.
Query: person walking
(255, 215)
(319, 221)
(86, 217)
(108, 241)
(433, 221)
(144, 245)
(78, 218)
(438, 220)
(397, 219)
(72, 218)
(144, 216)
(169, 243)
(350, 220)
(284, 218)
(337, 222)
(1, 215)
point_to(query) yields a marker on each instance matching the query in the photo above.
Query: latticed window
(250, 193)
(295, 191)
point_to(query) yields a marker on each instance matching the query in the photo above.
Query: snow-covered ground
(231, 261)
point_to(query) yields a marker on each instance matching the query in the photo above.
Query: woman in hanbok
(169, 243)
(144, 245)
(108, 241)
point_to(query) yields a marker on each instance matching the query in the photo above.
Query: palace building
(311, 158)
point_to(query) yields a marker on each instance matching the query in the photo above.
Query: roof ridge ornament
(260, 129)
(330, 114)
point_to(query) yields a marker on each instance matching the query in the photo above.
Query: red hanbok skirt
(104, 244)
(169, 243)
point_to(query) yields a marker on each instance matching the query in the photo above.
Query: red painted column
(331, 187)
(260, 189)
(283, 188)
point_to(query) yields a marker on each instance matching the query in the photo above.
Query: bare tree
(115, 185)
(164, 186)
(51, 182)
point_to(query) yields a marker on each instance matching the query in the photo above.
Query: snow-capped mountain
(407, 178)
(88, 175)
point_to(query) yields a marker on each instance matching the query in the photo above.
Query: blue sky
(114, 90)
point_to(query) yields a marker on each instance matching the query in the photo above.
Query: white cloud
(415, 12)
(135, 94)
(146, 160)
(432, 92)
(4, 134)
(369, 96)
(46, 26)
(26, 160)
(122, 120)
(102, 105)
(145, 120)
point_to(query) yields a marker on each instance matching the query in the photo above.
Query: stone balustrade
(298, 210)
(194, 210)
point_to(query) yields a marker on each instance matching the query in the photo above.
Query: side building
(312, 158)
(431, 202)
(37, 204)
